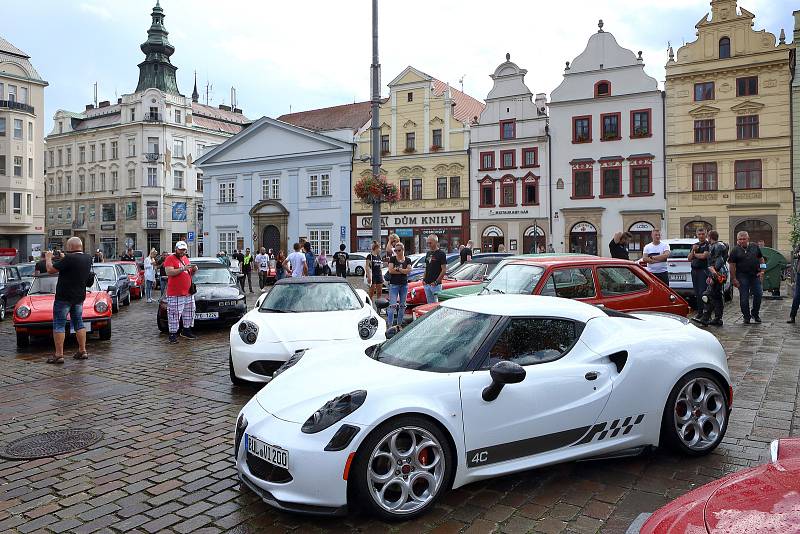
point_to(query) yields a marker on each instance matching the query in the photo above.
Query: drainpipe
(549, 183)
(664, 150)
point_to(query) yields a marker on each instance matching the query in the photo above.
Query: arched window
(533, 240)
(491, 239)
(602, 88)
(724, 48)
(583, 238)
(690, 228)
(758, 230)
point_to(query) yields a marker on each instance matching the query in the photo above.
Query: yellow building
(728, 144)
(424, 147)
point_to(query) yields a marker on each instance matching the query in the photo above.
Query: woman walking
(279, 271)
(150, 274)
(373, 268)
(322, 261)
(399, 267)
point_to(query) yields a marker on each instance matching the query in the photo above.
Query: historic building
(21, 152)
(123, 174)
(607, 124)
(796, 112)
(509, 166)
(728, 145)
(425, 134)
(282, 180)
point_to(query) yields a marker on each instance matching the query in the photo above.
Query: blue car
(416, 275)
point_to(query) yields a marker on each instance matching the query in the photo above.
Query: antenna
(461, 81)
(95, 94)
(233, 98)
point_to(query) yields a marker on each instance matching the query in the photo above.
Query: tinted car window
(679, 250)
(27, 270)
(619, 281)
(106, 273)
(13, 275)
(531, 341)
(518, 279)
(129, 268)
(304, 298)
(212, 275)
(573, 283)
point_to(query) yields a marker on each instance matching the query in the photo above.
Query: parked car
(473, 272)
(617, 284)
(12, 288)
(33, 314)
(219, 299)
(356, 262)
(115, 281)
(759, 499)
(680, 271)
(482, 387)
(27, 270)
(297, 314)
(135, 276)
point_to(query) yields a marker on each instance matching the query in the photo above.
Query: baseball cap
(181, 245)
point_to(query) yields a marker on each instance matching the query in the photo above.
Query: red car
(760, 499)
(467, 274)
(135, 275)
(617, 284)
(33, 314)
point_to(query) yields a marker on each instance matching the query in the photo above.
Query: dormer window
(602, 88)
(724, 48)
(410, 97)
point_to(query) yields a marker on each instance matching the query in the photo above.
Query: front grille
(264, 367)
(200, 306)
(266, 471)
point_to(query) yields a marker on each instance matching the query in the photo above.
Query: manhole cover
(50, 444)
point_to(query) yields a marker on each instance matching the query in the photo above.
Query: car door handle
(591, 375)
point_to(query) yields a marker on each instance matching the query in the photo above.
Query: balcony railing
(11, 104)
(151, 156)
(152, 117)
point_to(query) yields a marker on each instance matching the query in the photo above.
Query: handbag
(192, 289)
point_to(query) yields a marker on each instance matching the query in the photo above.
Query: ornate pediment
(386, 126)
(409, 124)
(456, 168)
(404, 171)
(368, 172)
(436, 121)
(441, 169)
(704, 111)
(748, 107)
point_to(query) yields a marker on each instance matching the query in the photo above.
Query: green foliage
(794, 233)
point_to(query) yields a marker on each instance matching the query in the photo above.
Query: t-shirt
(376, 268)
(340, 260)
(399, 279)
(618, 250)
(73, 271)
(247, 263)
(178, 286)
(746, 259)
(310, 262)
(433, 265)
(262, 260)
(126, 257)
(296, 261)
(650, 250)
(464, 254)
(149, 272)
(702, 247)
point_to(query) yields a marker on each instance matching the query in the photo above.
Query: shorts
(61, 309)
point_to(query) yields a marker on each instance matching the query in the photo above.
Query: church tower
(156, 71)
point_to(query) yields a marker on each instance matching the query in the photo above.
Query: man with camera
(180, 297)
(698, 257)
(717, 274)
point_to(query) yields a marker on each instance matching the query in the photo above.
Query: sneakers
(173, 338)
(716, 322)
(702, 320)
(188, 334)
(746, 320)
(791, 320)
(756, 319)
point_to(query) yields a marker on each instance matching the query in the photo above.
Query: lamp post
(375, 132)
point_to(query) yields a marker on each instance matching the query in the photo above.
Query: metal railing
(151, 156)
(12, 104)
(152, 117)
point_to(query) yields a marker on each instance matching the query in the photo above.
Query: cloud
(96, 10)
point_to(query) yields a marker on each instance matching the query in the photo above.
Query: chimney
(104, 104)
(119, 101)
(89, 106)
(224, 107)
(238, 110)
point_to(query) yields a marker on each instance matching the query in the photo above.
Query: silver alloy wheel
(700, 412)
(406, 470)
(2, 310)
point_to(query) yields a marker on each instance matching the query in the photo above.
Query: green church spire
(156, 70)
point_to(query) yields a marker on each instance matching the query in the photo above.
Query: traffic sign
(190, 237)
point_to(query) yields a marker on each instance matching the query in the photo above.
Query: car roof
(104, 264)
(525, 305)
(209, 259)
(680, 241)
(125, 261)
(312, 280)
(546, 260)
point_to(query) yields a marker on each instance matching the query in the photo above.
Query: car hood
(311, 327)
(105, 285)
(215, 292)
(462, 291)
(44, 303)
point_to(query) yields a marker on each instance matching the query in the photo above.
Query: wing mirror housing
(259, 300)
(502, 373)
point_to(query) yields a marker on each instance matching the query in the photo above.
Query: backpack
(341, 260)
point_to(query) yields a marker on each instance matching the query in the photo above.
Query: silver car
(680, 270)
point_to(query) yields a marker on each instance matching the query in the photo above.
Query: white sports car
(480, 387)
(298, 314)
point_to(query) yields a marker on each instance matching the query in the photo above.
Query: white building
(282, 180)
(607, 124)
(509, 167)
(123, 174)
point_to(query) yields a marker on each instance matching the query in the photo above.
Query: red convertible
(616, 284)
(136, 277)
(33, 314)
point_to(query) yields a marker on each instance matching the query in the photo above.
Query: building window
(131, 178)
(611, 184)
(530, 191)
(487, 194)
(276, 188)
(92, 182)
(508, 192)
(441, 187)
(29, 204)
(60, 184)
(265, 188)
(487, 161)
(747, 86)
(455, 187)
(60, 153)
(178, 176)
(640, 123)
(437, 139)
(114, 150)
(641, 182)
(530, 157)
(313, 185)
(2, 125)
(227, 192)
(178, 117)
(320, 240)
(227, 241)
(81, 183)
(602, 88)
(81, 154)
(114, 180)
(582, 129)
(704, 131)
(102, 151)
(724, 48)
(69, 155)
(748, 174)
(12, 93)
(325, 184)
(384, 144)
(405, 189)
(52, 158)
(508, 129)
(51, 184)
(152, 177)
(18, 166)
(410, 142)
(3, 207)
(17, 204)
(704, 91)
(17, 128)
(582, 184)
(199, 183)
(416, 189)
(2, 165)
(152, 145)
(507, 158)
(409, 97)
(610, 126)
(102, 181)
(747, 127)
(704, 177)
(133, 114)
(131, 147)
(30, 167)
(108, 212)
(30, 131)
(92, 153)
(177, 148)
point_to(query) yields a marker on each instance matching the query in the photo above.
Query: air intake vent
(619, 359)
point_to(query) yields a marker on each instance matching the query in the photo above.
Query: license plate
(207, 315)
(677, 277)
(269, 453)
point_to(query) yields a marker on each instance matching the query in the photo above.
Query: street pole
(375, 131)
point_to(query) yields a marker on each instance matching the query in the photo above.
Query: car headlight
(100, 306)
(333, 411)
(240, 302)
(241, 426)
(248, 331)
(23, 312)
(367, 327)
(289, 363)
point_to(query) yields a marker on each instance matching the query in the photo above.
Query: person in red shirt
(180, 303)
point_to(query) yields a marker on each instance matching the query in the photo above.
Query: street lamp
(375, 132)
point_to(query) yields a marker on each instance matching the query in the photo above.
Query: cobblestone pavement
(168, 413)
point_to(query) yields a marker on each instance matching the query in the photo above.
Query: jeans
(699, 277)
(163, 286)
(397, 304)
(796, 298)
(148, 289)
(249, 281)
(431, 292)
(714, 304)
(749, 284)
(341, 271)
(61, 309)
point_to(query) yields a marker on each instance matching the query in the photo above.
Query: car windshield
(468, 271)
(212, 275)
(679, 250)
(105, 273)
(518, 279)
(46, 285)
(442, 341)
(129, 268)
(27, 269)
(311, 297)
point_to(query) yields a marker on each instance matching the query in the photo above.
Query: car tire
(162, 326)
(235, 380)
(105, 333)
(359, 271)
(728, 294)
(127, 301)
(2, 310)
(698, 401)
(23, 340)
(114, 305)
(374, 454)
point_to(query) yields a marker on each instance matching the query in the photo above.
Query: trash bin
(776, 263)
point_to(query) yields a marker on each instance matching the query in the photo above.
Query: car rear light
(673, 299)
(100, 306)
(23, 312)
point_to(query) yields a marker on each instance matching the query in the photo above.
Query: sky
(299, 55)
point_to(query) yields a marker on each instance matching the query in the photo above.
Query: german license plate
(207, 315)
(269, 453)
(678, 277)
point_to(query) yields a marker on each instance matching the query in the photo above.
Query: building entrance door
(271, 238)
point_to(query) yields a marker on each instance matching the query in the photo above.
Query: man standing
(73, 272)
(747, 270)
(435, 269)
(309, 259)
(180, 303)
(655, 256)
(340, 261)
(796, 298)
(247, 269)
(717, 258)
(262, 263)
(295, 264)
(698, 257)
(128, 256)
(618, 246)
(466, 253)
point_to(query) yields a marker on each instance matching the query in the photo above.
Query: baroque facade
(123, 174)
(728, 145)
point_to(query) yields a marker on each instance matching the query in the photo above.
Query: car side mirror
(502, 373)
(259, 300)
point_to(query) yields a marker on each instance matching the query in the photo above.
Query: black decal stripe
(627, 421)
(590, 436)
(639, 419)
(615, 432)
(524, 447)
(627, 429)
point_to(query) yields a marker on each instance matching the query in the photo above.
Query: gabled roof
(8, 48)
(347, 116)
(218, 120)
(466, 108)
(11, 54)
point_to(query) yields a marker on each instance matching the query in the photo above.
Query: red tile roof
(352, 116)
(218, 120)
(466, 108)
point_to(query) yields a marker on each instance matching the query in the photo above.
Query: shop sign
(368, 233)
(642, 227)
(108, 227)
(413, 220)
(152, 224)
(492, 213)
(583, 228)
(57, 233)
(404, 232)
